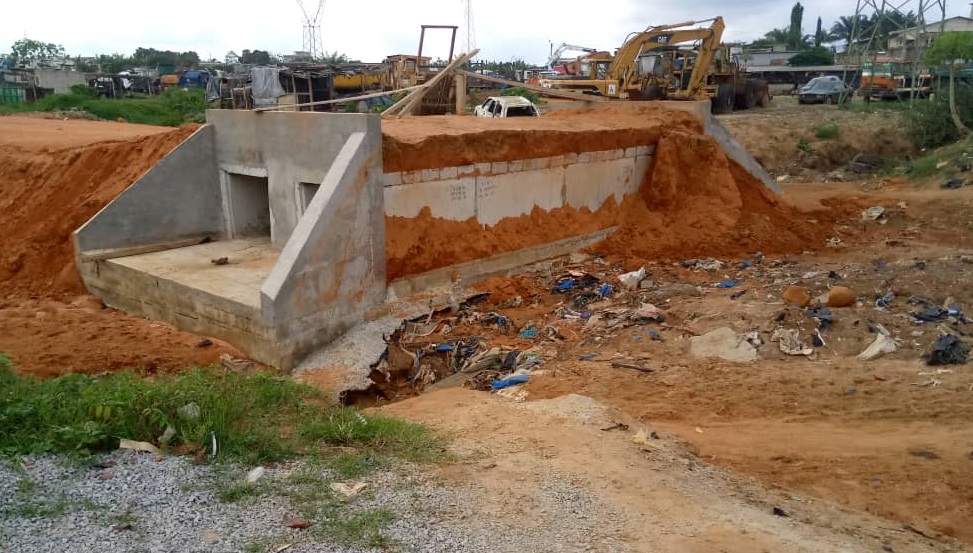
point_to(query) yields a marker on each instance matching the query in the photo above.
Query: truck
(885, 78)
(680, 61)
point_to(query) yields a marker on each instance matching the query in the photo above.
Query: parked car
(825, 90)
(506, 106)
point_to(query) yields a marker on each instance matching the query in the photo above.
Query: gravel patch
(149, 504)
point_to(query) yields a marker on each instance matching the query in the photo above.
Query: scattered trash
(509, 381)
(952, 184)
(605, 290)
(709, 265)
(204, 343)
(820, 314)
(138, 446)
(745, 264)
(616, 426)
(931, 314)
(738, 295)
(220, 261)
(255, 474)
(753, 337)
(851, 391)
(648, 313)
(817, 340)
(924, 453)
(529, 332)
(297, 522)
(723, 343)
(588, 357)
(348, 490)
(632, 367)
(189, 411)
(947, 350)
(654, 334)
(873, 213)
(728, 284)
(885, 302)
(780, 512)
(631, 280)
(790, 343)
(883, 343)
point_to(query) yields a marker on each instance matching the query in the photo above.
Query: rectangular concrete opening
(249, 202)
(305, 193)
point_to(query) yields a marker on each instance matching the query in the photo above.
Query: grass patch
(256, 418)
(170, 109)
(826, 132)
(878, 107)
(361, 529)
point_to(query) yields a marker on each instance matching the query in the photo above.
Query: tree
(255, 57)
(950, 48)
(28, 51)
(819, 55)
(154, 58)
(795, 34)
(334, 58)
(846, 28)
(114, 63)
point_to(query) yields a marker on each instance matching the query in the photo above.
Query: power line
(312, 30)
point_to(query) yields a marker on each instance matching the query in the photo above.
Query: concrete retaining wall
(332, 269)
(286, 148)
(490, 192)
(176, 200)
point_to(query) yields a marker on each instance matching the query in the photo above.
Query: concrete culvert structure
(329, 221)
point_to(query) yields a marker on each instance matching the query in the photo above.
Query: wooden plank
(342, 100)
(103, 255)
(538, 89)
(414, 99)
(460, 94)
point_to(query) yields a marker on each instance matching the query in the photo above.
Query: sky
(369, 31)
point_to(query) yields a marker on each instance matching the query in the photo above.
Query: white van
(506, 106)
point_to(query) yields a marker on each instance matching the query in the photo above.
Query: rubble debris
(873, 213)
(841, 296)
(795, 295)
(947, 350)
(790, 343)
(220, 261)
(648, 313)
(952, 184)
(864, 164)
(708, 265)
(723, 343)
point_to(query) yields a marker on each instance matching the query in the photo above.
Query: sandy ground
(813, 433)
(667, 497)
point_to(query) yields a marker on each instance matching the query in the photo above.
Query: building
(911, 44)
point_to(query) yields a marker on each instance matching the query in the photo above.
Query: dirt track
(828, 429)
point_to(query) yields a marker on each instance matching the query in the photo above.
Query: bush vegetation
(170, 109)
(254, 417)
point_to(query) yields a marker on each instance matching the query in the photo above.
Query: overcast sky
(504, 29)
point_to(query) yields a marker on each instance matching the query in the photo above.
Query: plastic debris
(947, 350)
(529, 332)
(952, 184)
(631, 280)
(348, 490)
(790, 342)
(509, 381)
(648, 313)
(883, 343)
(255, 474)
(710, 265)
(565, 285)
(588, 357)
(654, 334)
(885, 301)
(931, 314)
(727, 284)
(605, 290)
(820, 314)
(138, 446)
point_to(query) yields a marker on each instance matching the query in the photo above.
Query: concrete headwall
(287, 149)
(177, 199)
(490, 192)
(332, 269)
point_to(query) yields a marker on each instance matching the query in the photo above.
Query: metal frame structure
(865, 41)
(452, 41)
(469, 36)
(312, 30)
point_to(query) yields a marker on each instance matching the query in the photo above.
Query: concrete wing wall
(332, 269)
(288, 149)
(176, 201)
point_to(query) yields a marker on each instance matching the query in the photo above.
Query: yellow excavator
(675, 62)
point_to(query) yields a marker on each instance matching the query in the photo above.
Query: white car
(506, 106)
